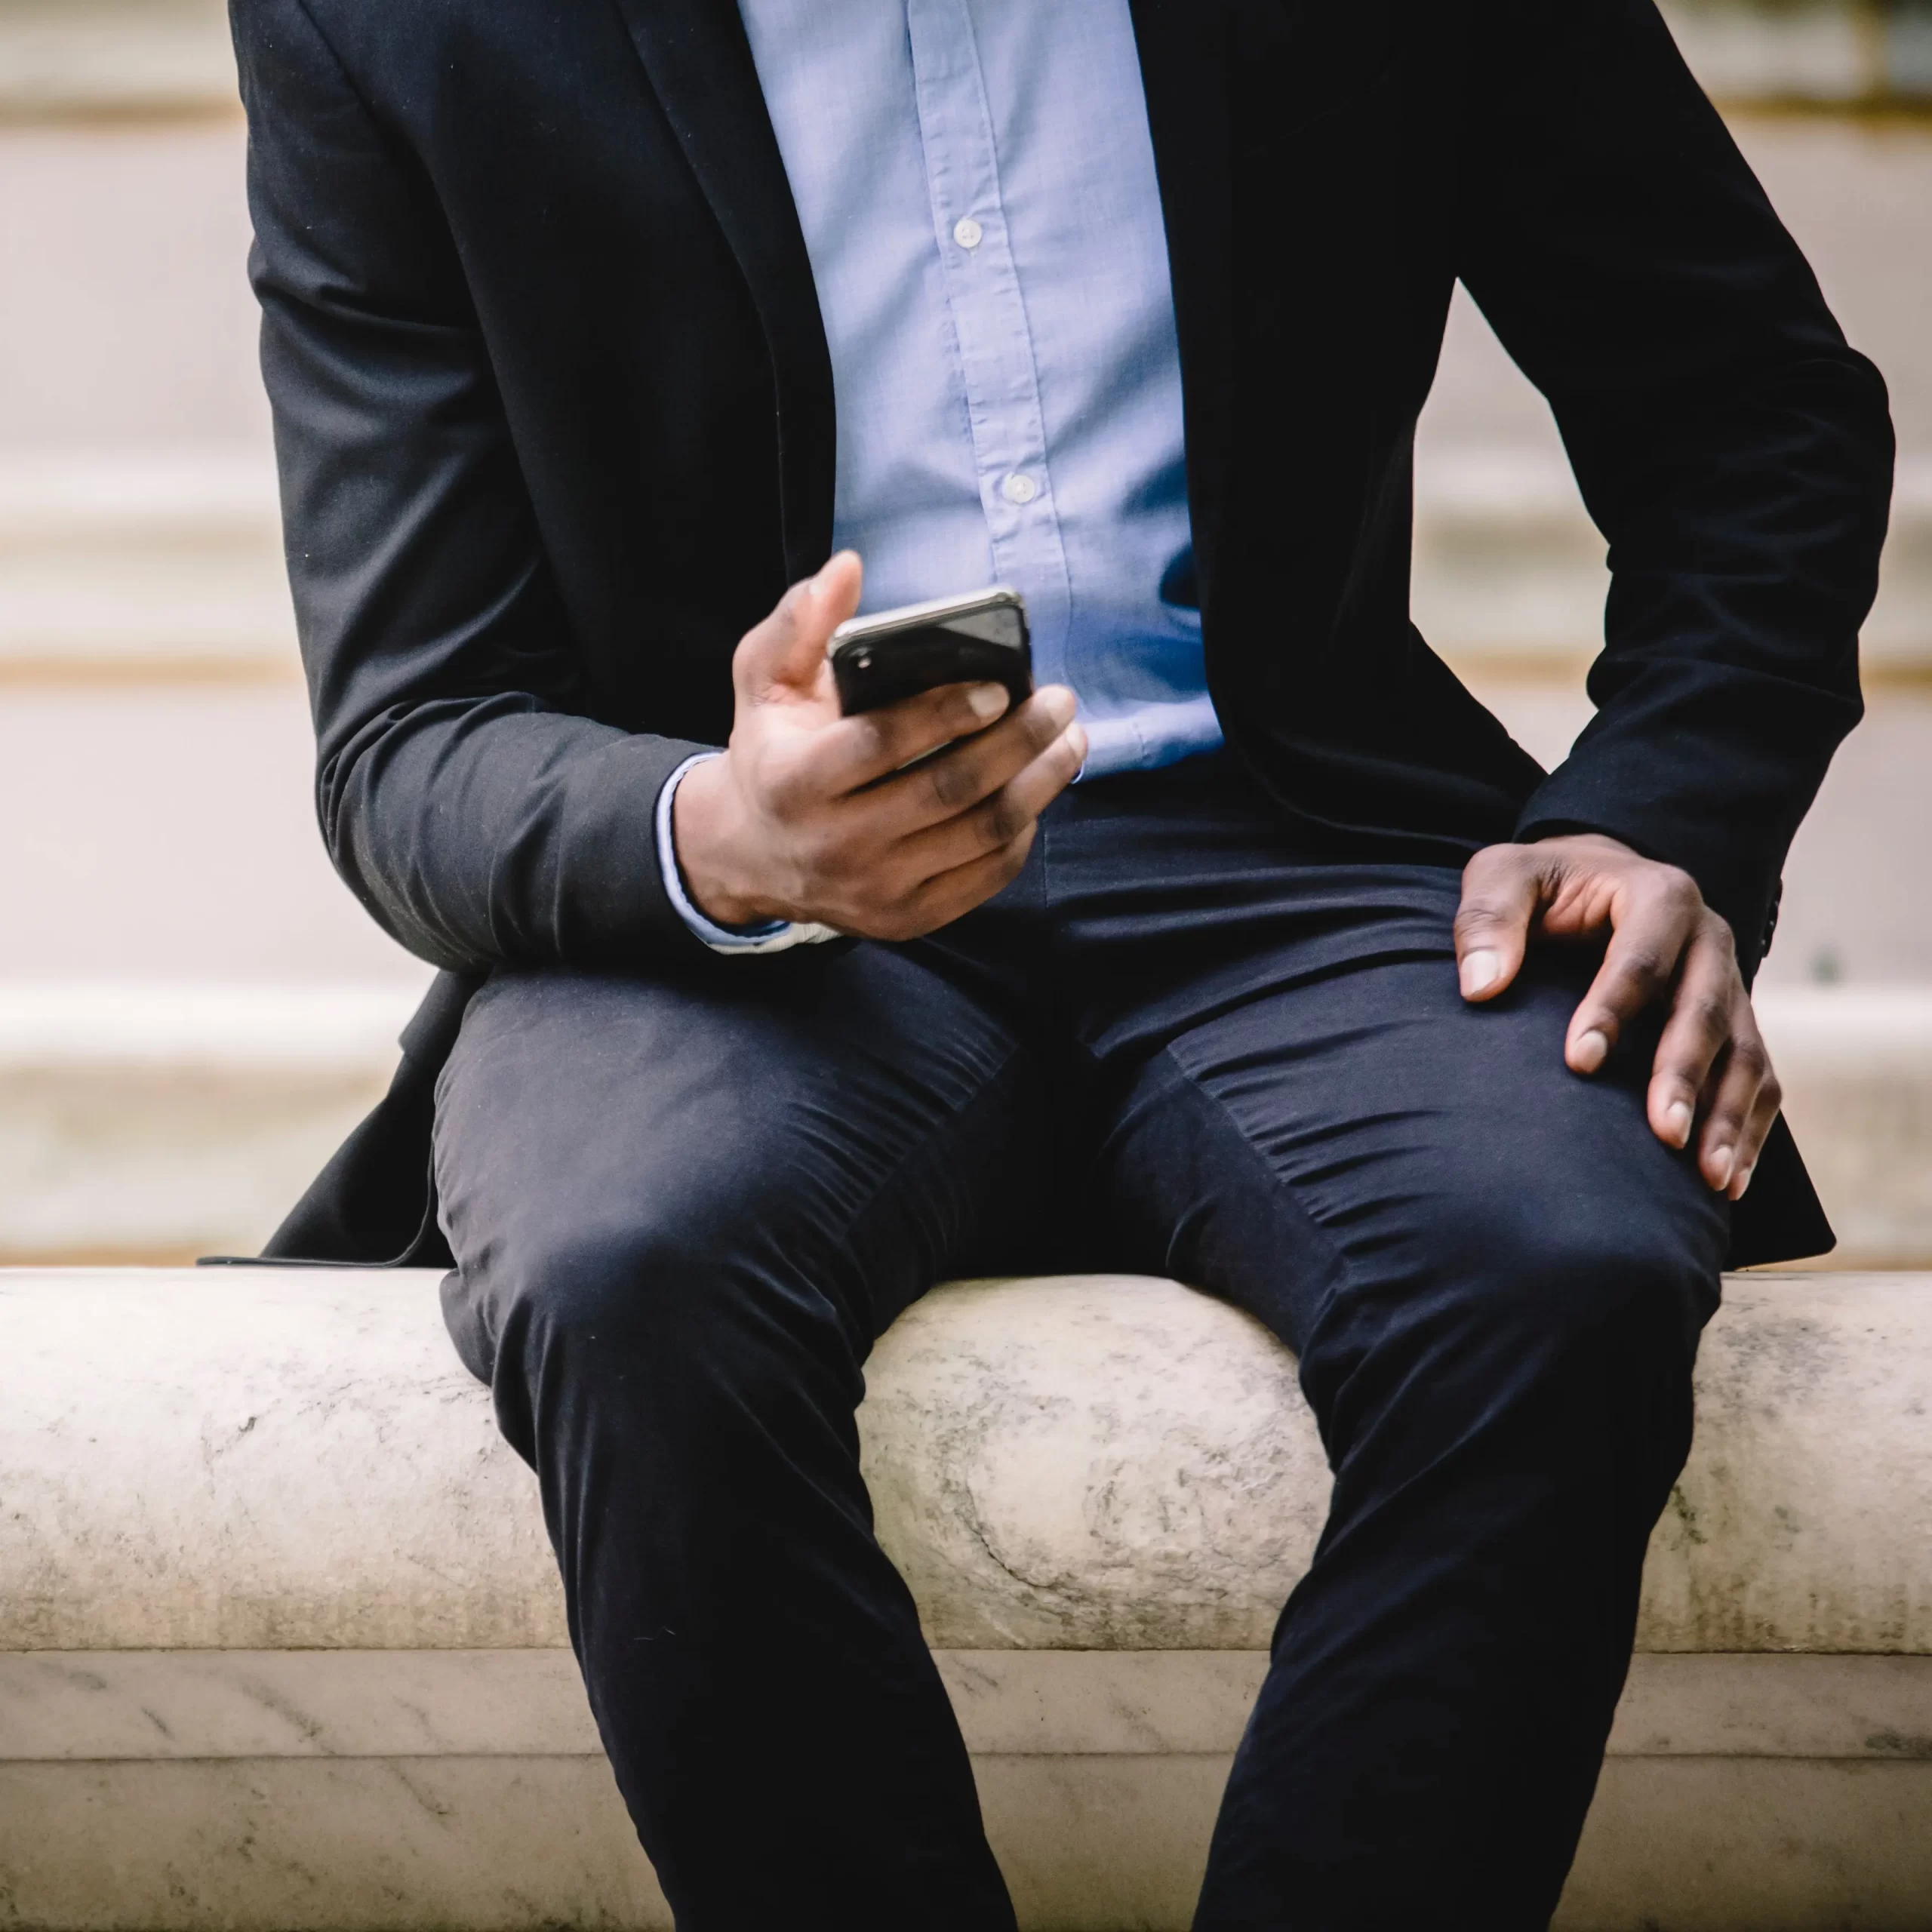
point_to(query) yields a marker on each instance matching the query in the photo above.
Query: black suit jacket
(554, 414)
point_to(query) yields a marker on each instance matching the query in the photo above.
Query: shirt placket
(991, 339)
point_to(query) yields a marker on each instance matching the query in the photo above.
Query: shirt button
(1019, 489)
(967, 231)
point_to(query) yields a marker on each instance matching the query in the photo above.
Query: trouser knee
(677, 1342)
(1572, 1342)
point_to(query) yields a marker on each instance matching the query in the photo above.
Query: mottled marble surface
(274, 1460)
(1111, 1463)
(1804, 1521)
(174, 1707)
(73, 1705)
(255, 1459)
(1092, 1462)
(339, 1844)
(1088, 1844)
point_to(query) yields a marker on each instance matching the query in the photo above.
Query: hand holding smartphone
(843, 819)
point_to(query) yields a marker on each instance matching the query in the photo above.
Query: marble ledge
(159, 1706)
(289, 1460)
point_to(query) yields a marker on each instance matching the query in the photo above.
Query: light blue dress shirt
(975, 183)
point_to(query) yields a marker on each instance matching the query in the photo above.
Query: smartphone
(980, 638)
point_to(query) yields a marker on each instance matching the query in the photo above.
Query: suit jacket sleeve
(468, 802)
(1735, 453)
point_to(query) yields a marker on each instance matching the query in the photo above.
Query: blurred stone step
(1510, 571)
(168, 1121)
(93, 58)
(158, 1122)
(1855, 1063)
(143, 564)
(101, 59)
(1812, 52)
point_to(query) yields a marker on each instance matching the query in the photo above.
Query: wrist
(1605, 842)
(708, 839)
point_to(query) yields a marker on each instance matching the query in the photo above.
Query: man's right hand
(809, 816)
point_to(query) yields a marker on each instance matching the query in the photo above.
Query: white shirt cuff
(775, 935)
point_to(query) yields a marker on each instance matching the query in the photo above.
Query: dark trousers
(684, 1208)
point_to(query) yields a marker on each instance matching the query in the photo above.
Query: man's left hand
(1665, 944)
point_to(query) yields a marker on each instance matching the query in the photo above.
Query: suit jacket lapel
(1184, 56)
(700, 67)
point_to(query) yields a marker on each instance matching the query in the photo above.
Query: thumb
(785, 655)
(1502, 887)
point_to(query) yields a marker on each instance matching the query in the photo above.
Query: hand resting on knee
(812, 816)
(1665, 944)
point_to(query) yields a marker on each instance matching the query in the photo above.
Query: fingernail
(1479, 971)
(1741, 1181)
(1076, 738)
(1590, 1052)
(1060, 703)
(1677, 1117)
(1721, 1166)
(986, 700)
(823, 581)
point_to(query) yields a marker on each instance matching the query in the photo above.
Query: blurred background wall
(192, 1010)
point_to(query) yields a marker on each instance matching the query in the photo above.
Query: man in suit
(590, 326)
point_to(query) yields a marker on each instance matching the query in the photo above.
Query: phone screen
(891, 655)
